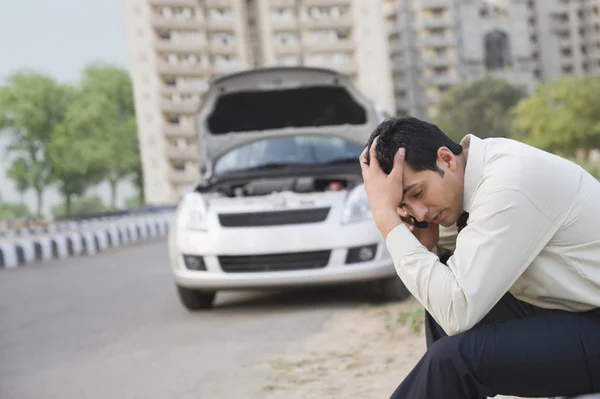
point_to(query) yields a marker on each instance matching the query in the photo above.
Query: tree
(112, 84)
(31, 106)
(81, 206)
(9, 211)
(562, 116)
(21, 175)
(77, 152)
(480, 107)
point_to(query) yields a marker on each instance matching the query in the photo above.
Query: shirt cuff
(401, 241)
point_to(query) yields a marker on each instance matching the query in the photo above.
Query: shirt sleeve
(505, 233)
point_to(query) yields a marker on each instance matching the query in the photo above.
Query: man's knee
(445, 351)
(454, 352)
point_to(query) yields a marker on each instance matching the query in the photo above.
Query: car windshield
(289, 150)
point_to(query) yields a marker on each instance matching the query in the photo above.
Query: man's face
(429, 196)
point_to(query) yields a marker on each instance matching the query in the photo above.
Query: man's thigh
(555, 354)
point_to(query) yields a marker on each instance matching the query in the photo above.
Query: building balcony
(327, 3)
(438, 60)
(224, 69)
(441, 80)
(183, 69)
(285, 25)
(282, 3)
(434, 4)
(345, 21)
(174, 3)
(331, 46)
(218, 3)
(217, 25)
(184, 177)
(559, 10)
(180, 131)
(189, 153)
(397, 46)
(158, 21)
(400, 84)
(559, 27)
(187, 88)
(288, 48)
(433, 22)
(438, 41)
(179, 46)
(179, 108)
(348, 68)
(398, 66)
(220, 48)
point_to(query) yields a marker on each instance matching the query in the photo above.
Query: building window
(187, 13)
(223, 39)
(167, 12)
(497, 50)
(285, 38)
(219, 14)
(283, 14)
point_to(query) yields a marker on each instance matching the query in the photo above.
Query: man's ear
(446, 158)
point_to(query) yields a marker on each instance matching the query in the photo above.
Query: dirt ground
(361, 353)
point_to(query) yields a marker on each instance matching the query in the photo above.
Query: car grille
(273, 218)
(274, 262)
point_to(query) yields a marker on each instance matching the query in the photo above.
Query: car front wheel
(195, 300)
(393, 289)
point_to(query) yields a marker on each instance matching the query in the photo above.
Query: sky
(59, 38)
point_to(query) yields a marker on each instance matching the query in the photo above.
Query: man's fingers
(363, 158)
(373, 154)
(398, 167)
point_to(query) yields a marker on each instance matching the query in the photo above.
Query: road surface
(111, 326)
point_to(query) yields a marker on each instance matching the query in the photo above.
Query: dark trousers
(517, 349)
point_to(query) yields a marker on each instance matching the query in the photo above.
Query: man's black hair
(420, 139)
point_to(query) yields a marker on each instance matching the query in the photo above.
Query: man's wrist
(388, 222)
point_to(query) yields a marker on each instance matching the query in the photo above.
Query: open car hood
(278, 101)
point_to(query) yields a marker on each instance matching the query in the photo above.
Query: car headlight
(357, 206)
(195, 215)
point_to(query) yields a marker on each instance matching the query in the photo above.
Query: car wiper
(271, 165)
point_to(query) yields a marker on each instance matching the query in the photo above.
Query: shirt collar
(473, 169)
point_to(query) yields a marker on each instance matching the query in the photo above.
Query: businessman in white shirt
(514, 307)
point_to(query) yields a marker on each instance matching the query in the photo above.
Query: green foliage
(480, 107)
(133, 202)
(562, 116)
(76, 152)
(414, 318)
(31, 106)
(20, 174)
(10, 211)
(80, 206)
(111, 85)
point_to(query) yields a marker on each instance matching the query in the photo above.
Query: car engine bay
(260, 186)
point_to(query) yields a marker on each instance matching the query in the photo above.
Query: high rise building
(177, 47)
(435, 44)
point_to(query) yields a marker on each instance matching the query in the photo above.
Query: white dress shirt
(533, 230)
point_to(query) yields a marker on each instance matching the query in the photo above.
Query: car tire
(194, 299)
(393, 289)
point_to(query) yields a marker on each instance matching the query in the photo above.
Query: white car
(282, 202)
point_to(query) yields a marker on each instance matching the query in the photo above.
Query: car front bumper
(279, 240)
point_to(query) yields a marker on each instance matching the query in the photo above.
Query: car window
(287, 150)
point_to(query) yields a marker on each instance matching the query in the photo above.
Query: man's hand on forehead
(384, 191)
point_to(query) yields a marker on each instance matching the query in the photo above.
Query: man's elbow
(455, 325)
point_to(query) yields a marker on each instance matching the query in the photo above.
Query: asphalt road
(111, 326)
